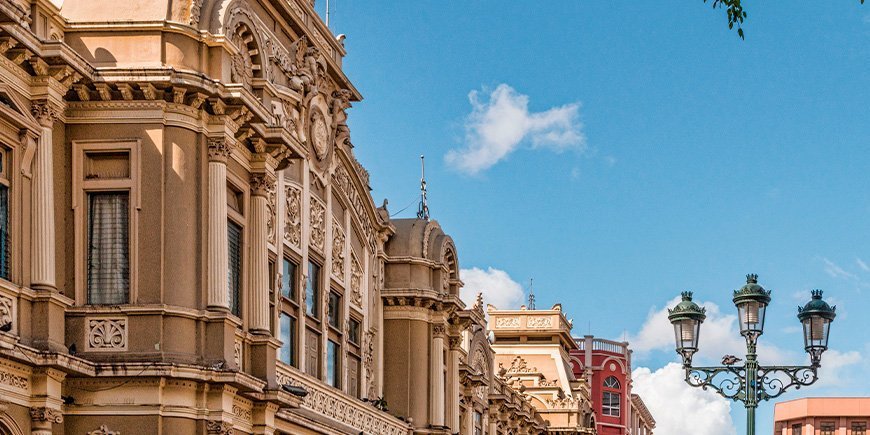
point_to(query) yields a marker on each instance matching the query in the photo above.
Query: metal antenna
(423, 210)
(327, 14)
(531, 294)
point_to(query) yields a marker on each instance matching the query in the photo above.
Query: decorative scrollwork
(773, 381)
(727, 381)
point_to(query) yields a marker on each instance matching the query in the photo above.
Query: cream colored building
(188, 245)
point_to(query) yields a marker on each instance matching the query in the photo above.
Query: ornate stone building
(188, 244)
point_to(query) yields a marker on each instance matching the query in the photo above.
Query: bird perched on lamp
(730, 360)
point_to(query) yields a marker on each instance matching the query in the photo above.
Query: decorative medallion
(319, 134)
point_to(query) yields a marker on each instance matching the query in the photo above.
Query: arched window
(611, 400)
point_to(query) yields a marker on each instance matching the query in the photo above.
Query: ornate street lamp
(752, 382)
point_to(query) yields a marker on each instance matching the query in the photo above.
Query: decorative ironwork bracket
(770, 382)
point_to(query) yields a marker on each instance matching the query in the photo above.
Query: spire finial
(423, 209)
(531, 293)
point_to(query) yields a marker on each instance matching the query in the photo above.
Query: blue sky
(645, 150)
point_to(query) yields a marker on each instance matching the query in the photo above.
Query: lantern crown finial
(687, 295)
(817, 294)
(752, 278)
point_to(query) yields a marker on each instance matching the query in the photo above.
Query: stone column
(453, 412)
(219, 149)
(42, 419)
(437, 376)
(261, 186)
(42, 224)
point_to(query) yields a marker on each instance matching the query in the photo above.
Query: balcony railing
(334, 404)
(603, 345)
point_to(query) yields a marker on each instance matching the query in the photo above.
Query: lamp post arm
(728, 381)
(775, 380)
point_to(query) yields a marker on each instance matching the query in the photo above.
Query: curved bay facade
(189, 246)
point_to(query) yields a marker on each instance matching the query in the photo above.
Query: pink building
(822, 416)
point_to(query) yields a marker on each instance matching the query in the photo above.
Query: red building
(606, 365)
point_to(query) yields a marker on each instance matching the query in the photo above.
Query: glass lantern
(751, 301)
(687, 317)
(816, 317)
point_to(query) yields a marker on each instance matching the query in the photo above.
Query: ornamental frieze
(13, 380)
(341, 180)
(106, 334)
(539, 322)
(507, 322)
(338, 255)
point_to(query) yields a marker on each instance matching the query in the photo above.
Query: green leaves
(735, 13)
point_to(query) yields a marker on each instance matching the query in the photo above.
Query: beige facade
(189, 245)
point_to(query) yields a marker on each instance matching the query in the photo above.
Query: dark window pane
(288, 338)
(797, 429)
(108, 248)
(288, 280)
(234, 271)
(353, 331)
(611, 382)
(333, 370)
(312, 290)
(5, 252)
(610, 404)
(334, 315)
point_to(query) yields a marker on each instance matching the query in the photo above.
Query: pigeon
(730, 360)
(72, 349)
(6, 327)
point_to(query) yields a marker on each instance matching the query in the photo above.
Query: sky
(622, 152)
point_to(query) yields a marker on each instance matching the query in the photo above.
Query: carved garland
(337, 250)
(318, 224)
(356, 274)
(293, 219)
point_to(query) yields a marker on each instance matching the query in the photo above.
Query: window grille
(859, 428)
(108, 248)
(234, 271)
(611, 382)
(5, 251)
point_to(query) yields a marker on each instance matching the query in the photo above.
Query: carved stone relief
(48, 415)
(356, 276)
(319, 134)
(7, 311)
(13, 380)
(293, 219)
(368, 361)
(337, 250)
(318, 224)
(341, 180)
(539, 322)
(507, 322)
(219, 427)
(107, 334)
(104, 430)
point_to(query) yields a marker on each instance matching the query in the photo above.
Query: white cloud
(719, 336)
(498, 125)
(680, 408)
(862, 265)
(835, 271)
(496, 285)
(831, 374)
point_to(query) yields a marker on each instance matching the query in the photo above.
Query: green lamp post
(751, 383)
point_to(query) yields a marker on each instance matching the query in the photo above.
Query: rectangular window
(288, 339)
(334, 314)
(353, 375)
(610, 404)
(353, 327)
(859, 428)
(797, 429)
(288, 280)
(333, 365)
(312, 290)
(108, 248)
(312, 353)
(234, 271)
(5, 237)
(827, 428)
